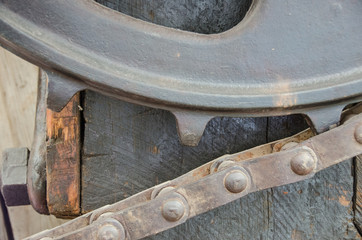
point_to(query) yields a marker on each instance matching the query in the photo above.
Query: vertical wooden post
(63, 160)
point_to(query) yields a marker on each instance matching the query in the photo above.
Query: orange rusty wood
(63, 160)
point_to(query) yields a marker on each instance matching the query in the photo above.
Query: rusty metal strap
(216, 183)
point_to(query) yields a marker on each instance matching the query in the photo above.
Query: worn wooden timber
(128, 148)
(358, 192)
(63, 160)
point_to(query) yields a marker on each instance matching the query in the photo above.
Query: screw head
(358, 134)
(303, 163)
(173, 210)
(236, 182)
(111, 230)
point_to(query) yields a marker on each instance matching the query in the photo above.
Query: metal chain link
(215, 184)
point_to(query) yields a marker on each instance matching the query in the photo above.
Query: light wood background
(18, 90)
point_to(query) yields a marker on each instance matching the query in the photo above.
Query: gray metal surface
(282, 58)
(283, 55)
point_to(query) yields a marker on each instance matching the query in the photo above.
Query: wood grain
(63, 160)
(128, 148)
(358, 192)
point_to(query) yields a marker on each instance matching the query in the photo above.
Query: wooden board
(63, 160)
(128, 148)
(358, 192)
(137, 147)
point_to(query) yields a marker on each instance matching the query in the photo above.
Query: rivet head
(111, 231)
(236, 182)
(288, 146)
(358, 134)
(173, 210)
(303, 163)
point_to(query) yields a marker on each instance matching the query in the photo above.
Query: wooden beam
(63, 160)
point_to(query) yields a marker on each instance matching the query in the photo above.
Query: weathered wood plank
(138, 147)
(63, 160)
(358, 192)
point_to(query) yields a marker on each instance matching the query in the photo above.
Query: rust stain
(244, 156)
(343, 201)
(297, 235)
(285, 193)
(155, 150)
(201, 171)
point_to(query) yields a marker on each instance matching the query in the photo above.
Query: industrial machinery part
(299, 57)
(215, 184)
(278, 60)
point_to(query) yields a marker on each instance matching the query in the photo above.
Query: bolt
(111, 230)
(236, 182)
(173, 210)
(303, 163)
(358, 134)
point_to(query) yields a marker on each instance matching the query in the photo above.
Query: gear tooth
(191, 126)
(326, 118)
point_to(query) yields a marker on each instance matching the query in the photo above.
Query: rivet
(358, 134)
(288, 146)
(111, 230)
(173, 210)
(303, 163)
(165, 190)
(225, 164)
(236, 182)
(221, 164)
